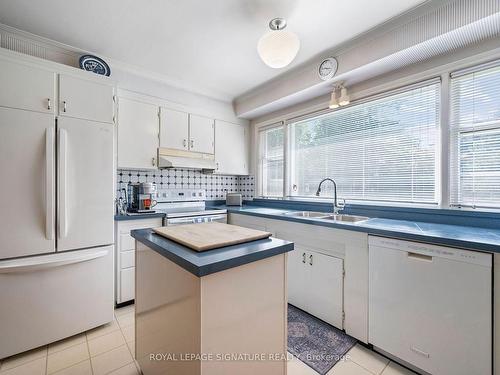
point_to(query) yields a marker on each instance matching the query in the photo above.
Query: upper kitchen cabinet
(231, 148)
(201, 134)
(16, 77)
(185, 131)
(174, 129)
(137, 134)
(85, 99)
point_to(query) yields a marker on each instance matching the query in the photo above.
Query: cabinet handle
(48, 104)
(192, 143)
(217, 166)
(310, 260)
(184, 143)
(153, 161)
(304, 258)
(64, 105)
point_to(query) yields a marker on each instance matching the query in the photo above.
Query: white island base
(229, 322)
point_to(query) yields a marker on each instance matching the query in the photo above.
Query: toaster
(234, 199)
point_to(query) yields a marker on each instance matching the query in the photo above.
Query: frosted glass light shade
(278, 48)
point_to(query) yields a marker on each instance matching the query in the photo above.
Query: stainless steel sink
(326, 216)
(346, 218)
(309, 214)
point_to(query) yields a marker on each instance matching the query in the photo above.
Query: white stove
(186, 206)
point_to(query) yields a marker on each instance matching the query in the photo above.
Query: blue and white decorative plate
(94, 64)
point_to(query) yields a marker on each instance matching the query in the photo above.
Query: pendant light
(278, 47)
(333, 100)
(344, 98)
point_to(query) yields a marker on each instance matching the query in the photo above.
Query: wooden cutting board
(207, 236)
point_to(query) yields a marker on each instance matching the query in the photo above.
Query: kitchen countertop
(138, 217)
(212, 261)
(474, 238)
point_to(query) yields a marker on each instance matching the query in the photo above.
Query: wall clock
(327, 68)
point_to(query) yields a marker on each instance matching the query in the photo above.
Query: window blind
(380, 150)
(475, 138)
(271, 161)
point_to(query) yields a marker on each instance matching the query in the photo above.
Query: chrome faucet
(336, 206)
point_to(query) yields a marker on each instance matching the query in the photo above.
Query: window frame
(443, 183)
(454, 135)
(370, 99)
(258, 159)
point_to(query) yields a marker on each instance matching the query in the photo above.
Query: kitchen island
(216, 312)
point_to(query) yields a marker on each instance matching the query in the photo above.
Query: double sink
(327, 216)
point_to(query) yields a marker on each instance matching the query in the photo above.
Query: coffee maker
(141, 197)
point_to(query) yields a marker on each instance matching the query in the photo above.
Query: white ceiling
(205, 46)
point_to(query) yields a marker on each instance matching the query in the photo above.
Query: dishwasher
(431, 306)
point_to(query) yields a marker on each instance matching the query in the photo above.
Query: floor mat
(314, 342)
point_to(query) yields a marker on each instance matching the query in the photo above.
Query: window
(271, 161)
(380, 150)
(475, 138)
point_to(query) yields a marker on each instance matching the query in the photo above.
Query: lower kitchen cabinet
(316, 281)
(125, 256)
(315, 284)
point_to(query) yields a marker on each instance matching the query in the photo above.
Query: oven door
(222, 218)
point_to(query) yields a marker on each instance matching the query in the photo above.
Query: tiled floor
(109, 350)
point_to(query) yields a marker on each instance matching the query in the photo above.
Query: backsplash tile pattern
(215, 185)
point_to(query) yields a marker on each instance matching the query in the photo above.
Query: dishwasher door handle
(417, 256)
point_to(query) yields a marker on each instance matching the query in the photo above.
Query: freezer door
(27, 162)
(50, 297)
(85, 184)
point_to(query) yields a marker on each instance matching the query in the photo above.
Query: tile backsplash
(215, 185)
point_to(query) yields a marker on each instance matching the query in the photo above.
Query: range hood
(170, 158)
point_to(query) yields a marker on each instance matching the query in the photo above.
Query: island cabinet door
(296, 275)
(324, 286)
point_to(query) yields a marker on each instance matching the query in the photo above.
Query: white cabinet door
(201, 134)
(174, 129)
(137, 134)
(296, 278)
(85, 183)
(27, 162)
(231, 148)
(84, 99)
(324, 287)
(26, 87)
(127, 285)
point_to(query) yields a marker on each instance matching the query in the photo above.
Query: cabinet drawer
(127, 259)
(127, 284)
(127, 242)
(26, 87)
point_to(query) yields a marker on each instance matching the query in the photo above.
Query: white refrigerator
(56, 227)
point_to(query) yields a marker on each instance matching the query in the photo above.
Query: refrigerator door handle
(49, 184)
(43, 262)
(63, 193)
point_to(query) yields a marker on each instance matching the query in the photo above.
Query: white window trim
(443, 175)
(257, 159)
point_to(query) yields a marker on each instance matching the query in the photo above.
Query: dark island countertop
(211, 261)
(467, 237)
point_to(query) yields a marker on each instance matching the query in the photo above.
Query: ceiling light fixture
(344, 98)
(333, 100)
(278, 48)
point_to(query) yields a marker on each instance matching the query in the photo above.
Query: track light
(344, 98)
(333, 100)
